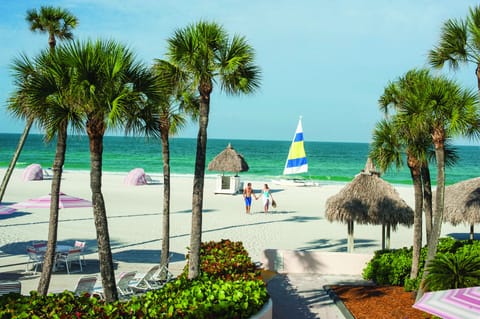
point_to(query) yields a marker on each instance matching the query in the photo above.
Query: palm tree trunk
(100, 214)
(417, 221)
(49, 259)
(15, 157)
(197, 196)
(427, 201)
(439, 201)
(166, 196)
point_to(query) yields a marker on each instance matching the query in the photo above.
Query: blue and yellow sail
(297, 158)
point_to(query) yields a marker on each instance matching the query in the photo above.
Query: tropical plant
(44, 92)
(58, 23)
(452, 271)
(109, 84)
(451, 111)
(399, 134)
(206, 54)
(459, 43)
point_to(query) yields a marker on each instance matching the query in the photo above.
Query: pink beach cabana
(33, 172)
(136, 177)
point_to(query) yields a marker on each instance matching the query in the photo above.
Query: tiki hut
(228, 161)
(368, 199)
(462, 203)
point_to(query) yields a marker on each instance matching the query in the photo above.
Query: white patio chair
(73, 255)
(10, 286)
(82, 245)
(35, 259)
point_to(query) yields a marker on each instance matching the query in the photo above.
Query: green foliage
(453, 270)
(228, 287)
(389, 267)
(455, 264)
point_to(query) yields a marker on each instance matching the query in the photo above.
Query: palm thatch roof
(462, 203)
(228, 161)
(368, 199)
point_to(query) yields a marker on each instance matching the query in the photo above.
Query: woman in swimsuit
(267, 197)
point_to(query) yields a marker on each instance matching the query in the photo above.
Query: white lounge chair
(10, 286)
(123, 288)
(147, 281)
(85, 285)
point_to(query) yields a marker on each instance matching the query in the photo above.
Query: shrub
(451, 271)
(392, 267)
(230, 291)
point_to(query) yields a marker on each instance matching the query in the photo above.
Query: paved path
(302, 296)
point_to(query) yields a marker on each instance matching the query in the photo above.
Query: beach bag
(274, 203)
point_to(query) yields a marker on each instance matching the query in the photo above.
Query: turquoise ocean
(329, 162)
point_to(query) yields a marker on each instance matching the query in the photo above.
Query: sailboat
(296, 161)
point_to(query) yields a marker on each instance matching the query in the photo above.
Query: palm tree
(109, 84)
(58, 23)
(44, 93)
(459, 43)
(206, 54)
(451, 111)
(407, 97)
(177, 101)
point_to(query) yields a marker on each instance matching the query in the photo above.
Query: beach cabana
(135, 177)
(368, 199)
(33, 172)
(462, 203)
(228, 161)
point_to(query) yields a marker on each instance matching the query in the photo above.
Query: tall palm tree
(58, 23)
(108, 83)
(449, 112)
(178, 101)
(409, 93)
(459, 43)
(206, 54)
(44, 92)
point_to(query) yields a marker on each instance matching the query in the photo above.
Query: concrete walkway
(303, 296)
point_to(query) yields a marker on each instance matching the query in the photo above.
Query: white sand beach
(135, 222)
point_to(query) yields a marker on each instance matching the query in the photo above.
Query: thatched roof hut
(462, 203)
(368, 199)
(228, 161)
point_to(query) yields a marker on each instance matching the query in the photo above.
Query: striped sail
(297, 159)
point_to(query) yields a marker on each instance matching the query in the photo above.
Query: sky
(325, 61)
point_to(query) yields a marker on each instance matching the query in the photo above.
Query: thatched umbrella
(368, 199)
(462, 203)
(228, 161)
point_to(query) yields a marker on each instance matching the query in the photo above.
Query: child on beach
(247, 195)
(267, 197)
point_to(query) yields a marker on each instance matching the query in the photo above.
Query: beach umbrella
(462, 303)
(5, 210)
(65, 201)
(33, 172)
(228, 161)
(462, 203)
(136, 177)
(368, 199)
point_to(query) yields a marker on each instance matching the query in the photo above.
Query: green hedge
(229, 287)
(392, 267)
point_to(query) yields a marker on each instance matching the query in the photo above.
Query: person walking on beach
(267, 197)
(247, 195)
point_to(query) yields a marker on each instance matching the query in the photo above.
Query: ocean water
(329, 162)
